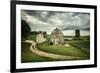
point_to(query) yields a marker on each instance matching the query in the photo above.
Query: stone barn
(56, 37)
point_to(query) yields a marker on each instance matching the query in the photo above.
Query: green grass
(28, 56)
(77, 48)
(80, 43)
(32, 37)
(63, 50)
(84, 45)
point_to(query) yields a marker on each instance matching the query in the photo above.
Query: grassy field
(32, 37)
(63, 50)
(28, 56)
(84, 45)
(78, 48)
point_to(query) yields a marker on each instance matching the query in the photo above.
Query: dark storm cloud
(48, 20)
(77, 13)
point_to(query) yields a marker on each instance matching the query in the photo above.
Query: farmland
(77, 48)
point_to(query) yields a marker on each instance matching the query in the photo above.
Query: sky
(67, 22)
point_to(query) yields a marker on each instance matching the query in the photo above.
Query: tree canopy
(25, 29)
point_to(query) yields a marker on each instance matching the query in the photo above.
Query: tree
(25, 29)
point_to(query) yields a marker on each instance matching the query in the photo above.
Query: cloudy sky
(49, 20)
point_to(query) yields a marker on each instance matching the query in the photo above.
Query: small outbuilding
(40, 38)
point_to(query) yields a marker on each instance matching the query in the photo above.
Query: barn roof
(56, 31)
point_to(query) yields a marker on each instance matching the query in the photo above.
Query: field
(28, 56)
(77, 48)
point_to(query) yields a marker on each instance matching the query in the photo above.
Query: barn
(56, 37)
(40, 38)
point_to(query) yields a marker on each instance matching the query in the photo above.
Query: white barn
(56, 37)
(40, 38)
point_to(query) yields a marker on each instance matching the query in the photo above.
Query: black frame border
(13, 35)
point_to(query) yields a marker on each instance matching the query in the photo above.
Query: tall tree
(25, 29)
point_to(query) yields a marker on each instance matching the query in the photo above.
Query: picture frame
(19, 66)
